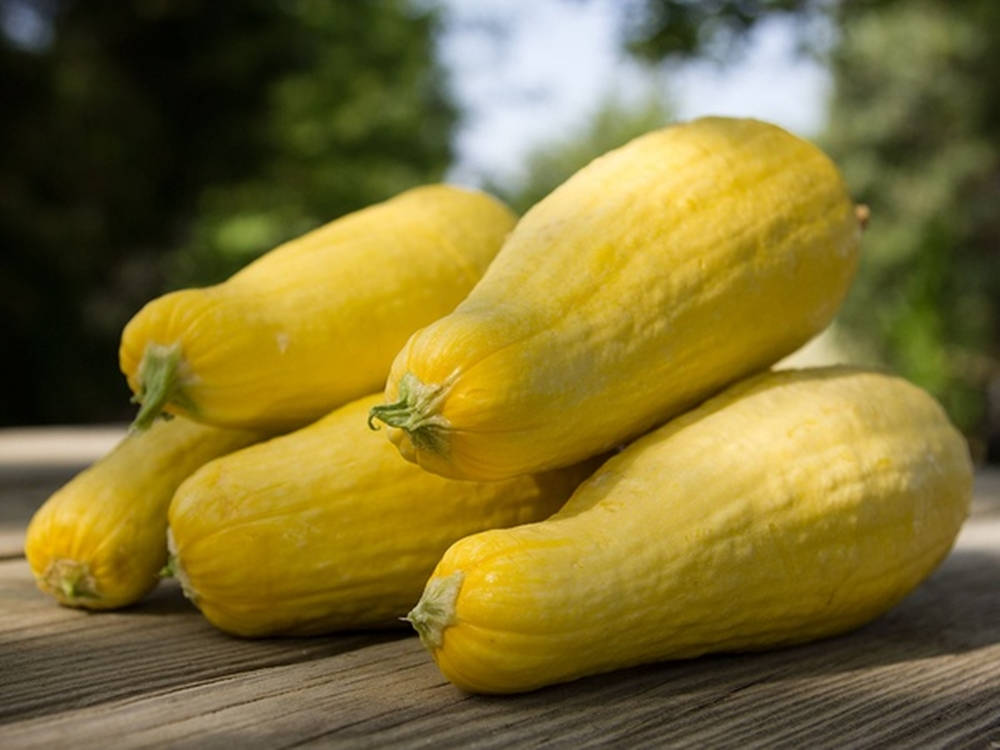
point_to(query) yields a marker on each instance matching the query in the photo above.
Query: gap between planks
(825, 695)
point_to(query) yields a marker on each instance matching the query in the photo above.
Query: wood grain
(156, 675)
(927, 674)
(55, 658)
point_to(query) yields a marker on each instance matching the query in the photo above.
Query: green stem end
(417, 411)
(436, 609)
(159, 384)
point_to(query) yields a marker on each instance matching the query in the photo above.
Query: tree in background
(659, 29)
(150, 144)
(915, 125)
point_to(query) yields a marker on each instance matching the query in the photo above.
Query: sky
(528, 71)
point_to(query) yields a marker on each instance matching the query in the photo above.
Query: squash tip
(416, 411)
(70, 581)
(436, 609)
(160, 379)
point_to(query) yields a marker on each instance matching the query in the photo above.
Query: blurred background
(153, 144)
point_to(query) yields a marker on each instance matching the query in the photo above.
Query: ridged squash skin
(316, 322)
(327, 528)
(662, 271)
(99, 542)
(795, 505)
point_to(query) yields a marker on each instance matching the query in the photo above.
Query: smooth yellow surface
(793, 506)
(327, 528)
(103, 533)
(317, 321)
(662, 271)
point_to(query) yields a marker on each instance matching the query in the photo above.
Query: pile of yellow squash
(589, 464)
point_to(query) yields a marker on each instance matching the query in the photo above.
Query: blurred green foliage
(149, 144)
(915, 126)
(658, 29)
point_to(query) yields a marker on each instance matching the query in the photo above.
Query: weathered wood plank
(54, 658)
(927, 674)
(29, 448)
(11, 542)
(986, 495)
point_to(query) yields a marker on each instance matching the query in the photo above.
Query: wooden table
(157, 675)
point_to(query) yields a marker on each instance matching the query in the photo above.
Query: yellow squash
(794, 505)
(682, 261)
(327, 528)
(99, 542)
(315, 322)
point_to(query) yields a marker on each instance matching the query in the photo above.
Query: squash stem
(436, 609)
(417, 411)
(159, 384)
